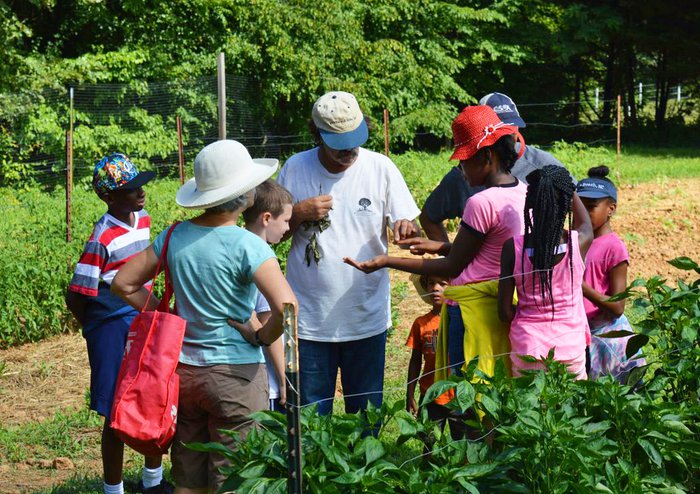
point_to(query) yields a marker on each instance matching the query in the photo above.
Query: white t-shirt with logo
(336, 301)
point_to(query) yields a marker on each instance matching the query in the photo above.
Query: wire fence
(139, 118)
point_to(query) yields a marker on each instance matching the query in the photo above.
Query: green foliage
(635, 164)
(423, 171)
(34, 278)
(671, 324)
(548, 433)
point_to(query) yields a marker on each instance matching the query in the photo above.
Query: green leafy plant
(541, 432)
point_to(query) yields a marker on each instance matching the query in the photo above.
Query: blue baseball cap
(504, 107)
(596, 188)
(340, 121)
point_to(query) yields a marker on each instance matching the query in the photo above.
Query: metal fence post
(221, 85)
(69, 184)
(291, 358)
(597, 97)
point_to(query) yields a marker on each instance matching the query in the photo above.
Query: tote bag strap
(164, 305)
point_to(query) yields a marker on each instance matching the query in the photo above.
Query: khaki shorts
(213, 398)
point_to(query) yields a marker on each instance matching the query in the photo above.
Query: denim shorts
(105, 346)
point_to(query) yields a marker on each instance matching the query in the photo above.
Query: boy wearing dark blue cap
(122, 232)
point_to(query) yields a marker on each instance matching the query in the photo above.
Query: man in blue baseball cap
(346, 196)
(449, 197)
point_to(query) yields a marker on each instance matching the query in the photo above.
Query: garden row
(543, 432)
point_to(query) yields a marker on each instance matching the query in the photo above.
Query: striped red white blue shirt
(112, 244)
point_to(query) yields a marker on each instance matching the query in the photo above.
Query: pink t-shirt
(606, 252)
(496, 214)
(536, 328)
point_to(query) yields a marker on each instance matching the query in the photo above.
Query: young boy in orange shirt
(423, 340)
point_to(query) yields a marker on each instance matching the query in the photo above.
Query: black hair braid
(547, 206)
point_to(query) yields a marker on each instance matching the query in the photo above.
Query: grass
(66, 434)
(74, 434)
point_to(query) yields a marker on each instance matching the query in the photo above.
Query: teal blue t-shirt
(211, 270)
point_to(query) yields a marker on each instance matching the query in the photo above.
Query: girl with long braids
(545, 266)
(485, 148)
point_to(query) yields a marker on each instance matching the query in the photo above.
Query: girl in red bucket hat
(485, 148)
(478, 127)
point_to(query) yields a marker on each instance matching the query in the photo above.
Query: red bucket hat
(477, 127)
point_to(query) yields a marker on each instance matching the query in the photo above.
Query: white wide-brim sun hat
(223, 170)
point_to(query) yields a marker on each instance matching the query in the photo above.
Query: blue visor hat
(596, 188)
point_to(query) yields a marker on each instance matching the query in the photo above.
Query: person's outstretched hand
(248, 328)
(370, 266)
(422, 245)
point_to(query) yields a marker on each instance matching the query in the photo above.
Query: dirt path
(658, 221)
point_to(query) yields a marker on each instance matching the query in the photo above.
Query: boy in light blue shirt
(268, 218)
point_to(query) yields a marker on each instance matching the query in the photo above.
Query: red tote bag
(144, 412)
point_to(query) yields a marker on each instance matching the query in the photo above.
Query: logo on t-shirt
(364, 206)
(431, 342)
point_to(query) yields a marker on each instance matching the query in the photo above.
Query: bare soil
(658, 221)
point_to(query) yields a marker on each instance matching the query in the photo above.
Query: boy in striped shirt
(122, 232)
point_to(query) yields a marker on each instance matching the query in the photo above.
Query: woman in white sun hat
(215, 267)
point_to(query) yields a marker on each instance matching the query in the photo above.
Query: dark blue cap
(504, 107)
(596, 188)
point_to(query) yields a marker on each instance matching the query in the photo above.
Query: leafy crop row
(543, 432)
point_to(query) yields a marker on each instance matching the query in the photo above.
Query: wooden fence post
(180, 153)
(291, 358)
(619, 145)
(386, 132)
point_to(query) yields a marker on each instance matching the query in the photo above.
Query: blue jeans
(455, 339)
(361, 364)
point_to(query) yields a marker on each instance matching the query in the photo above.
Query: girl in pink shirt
(546, 267)
(485, 148)
(605, 276)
